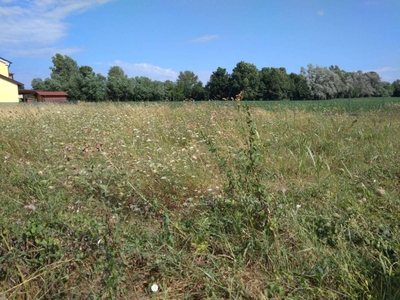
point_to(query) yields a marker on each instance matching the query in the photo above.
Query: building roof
(46, 93)
(11, 80)
(5, 61)
(26, 92)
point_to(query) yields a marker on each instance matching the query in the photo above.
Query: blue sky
(160, 38)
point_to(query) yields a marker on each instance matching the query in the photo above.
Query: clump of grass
(206, 201)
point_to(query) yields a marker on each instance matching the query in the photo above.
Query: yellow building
(8, 86)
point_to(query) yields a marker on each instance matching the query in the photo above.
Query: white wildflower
(298, 206)
(154, 288)
(30, 207)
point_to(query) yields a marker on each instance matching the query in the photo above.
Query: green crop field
(335, 106)
(212, 200)
(355, 105)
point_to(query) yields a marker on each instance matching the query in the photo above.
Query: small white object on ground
(30, 207)
(154, 288)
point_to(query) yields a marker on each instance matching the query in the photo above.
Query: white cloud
(383, 70)
(205, 38)
(45, 51)
(35, 24)
(387, 73)
(145, 69)
(320, 13)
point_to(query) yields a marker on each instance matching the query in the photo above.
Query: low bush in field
(204, 201)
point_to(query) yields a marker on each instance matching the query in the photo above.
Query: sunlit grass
(105, 200)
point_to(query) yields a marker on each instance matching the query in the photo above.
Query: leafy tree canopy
(313, 82)
(245, 77)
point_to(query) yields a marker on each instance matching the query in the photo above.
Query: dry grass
(103, 200)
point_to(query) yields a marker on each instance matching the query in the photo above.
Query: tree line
(313, 82)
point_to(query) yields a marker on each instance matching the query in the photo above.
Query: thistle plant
(244, 184)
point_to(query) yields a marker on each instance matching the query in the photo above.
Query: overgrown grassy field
(105, 201)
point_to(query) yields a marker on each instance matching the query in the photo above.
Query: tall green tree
(119, 86)
(275, 84)
(245, 77)
(396, 88)
(189, 86)
(169, 89)
(64, 76)
(145, 89)
(93, 87)
(65, 71)
(46, 85)
(385, 90)
(38, 84)
(63, 66)
(158, 90)
(299, 89)
(218, 85)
